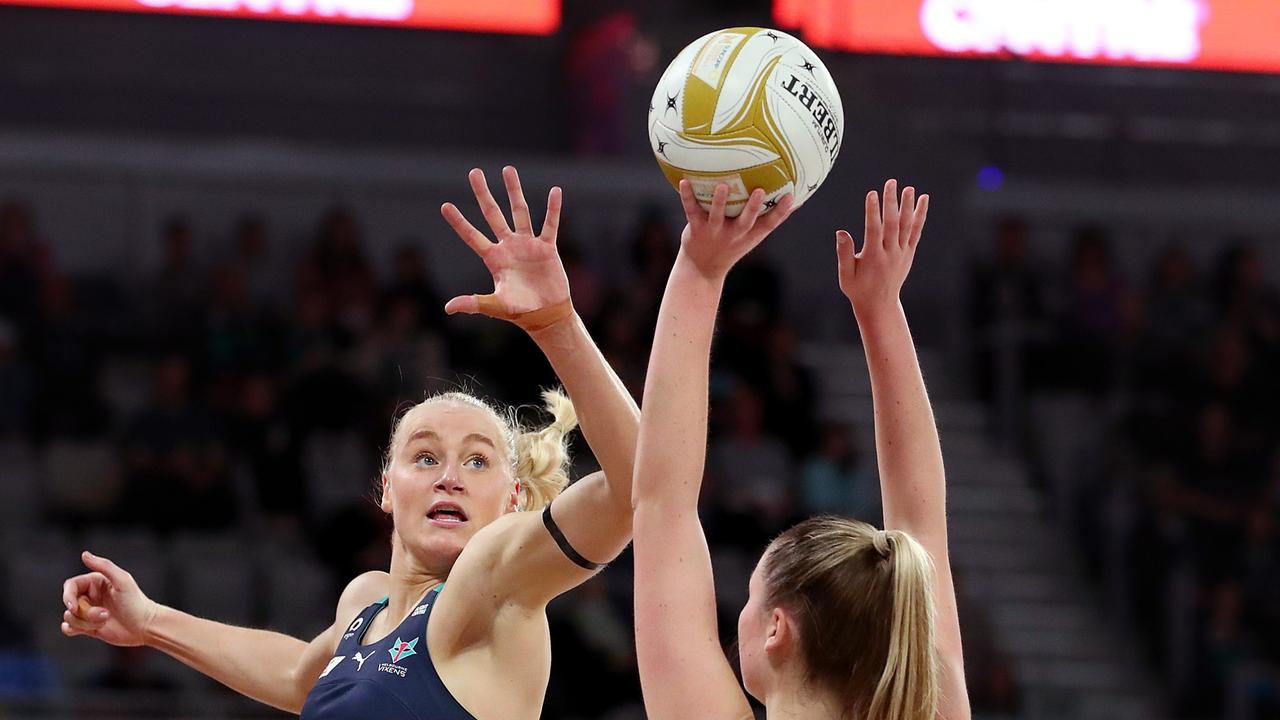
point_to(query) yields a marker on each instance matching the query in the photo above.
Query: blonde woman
(456, 629)
(843, 621)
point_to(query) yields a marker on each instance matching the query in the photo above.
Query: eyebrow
(432, 435)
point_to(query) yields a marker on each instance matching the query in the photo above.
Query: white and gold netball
(750, 108)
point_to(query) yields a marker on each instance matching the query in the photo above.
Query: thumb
(110, 570)
(845, 251)
(468, 304)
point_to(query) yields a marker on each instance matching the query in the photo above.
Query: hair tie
(881, 542)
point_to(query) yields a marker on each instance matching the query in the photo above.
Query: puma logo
(360, 660)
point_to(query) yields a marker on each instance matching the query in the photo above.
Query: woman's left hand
(872, 277)
(526, 268)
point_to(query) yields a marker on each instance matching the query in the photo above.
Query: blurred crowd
(234, 391)
(1147, 405)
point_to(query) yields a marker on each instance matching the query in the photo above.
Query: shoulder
(496, 541)
(364, 590)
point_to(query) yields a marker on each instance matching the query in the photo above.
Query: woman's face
(449, 475)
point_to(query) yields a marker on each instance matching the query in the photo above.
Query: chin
(752, 676)
(438, 551)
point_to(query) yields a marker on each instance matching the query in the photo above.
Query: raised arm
(278, 670)
(531, 290)
(912, 480)
(683, 670)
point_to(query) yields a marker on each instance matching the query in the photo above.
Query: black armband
(563, 543)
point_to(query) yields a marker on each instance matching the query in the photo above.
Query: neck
(409, 583)
(794, 700)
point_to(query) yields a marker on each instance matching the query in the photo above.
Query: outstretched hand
(527, 273)
(714, 243)
(107, 604)
(872, 278)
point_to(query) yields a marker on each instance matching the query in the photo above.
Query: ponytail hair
(863, 601)
(542, 456)
(908, 687)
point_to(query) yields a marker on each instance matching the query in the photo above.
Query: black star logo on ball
(813, 187)
(671, 103)
(662, 148)
(808, 66)
(771, 36)
(770, 204)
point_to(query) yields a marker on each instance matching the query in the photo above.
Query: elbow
(299, 687)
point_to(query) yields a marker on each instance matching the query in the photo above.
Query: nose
(449, 481)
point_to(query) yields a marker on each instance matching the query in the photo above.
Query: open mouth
(446, 514)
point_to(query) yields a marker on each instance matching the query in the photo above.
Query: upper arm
(683, 670)
(517, 560)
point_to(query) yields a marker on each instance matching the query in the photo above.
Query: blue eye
(479, 462)
(425, 459)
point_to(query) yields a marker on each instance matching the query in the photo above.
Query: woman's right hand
(714, 243)
(120, 613)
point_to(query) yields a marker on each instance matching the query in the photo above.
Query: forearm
(608, 414)
(907, 446)
(259, 664)
(673, 439)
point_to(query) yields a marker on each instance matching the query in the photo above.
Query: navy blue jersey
(393, 677)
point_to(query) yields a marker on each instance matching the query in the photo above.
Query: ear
(514, 503)
(386, 494)
(780, 633)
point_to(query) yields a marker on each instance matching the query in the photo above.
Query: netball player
(457, 627)
(843, 620)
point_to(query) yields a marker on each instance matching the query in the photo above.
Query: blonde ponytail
(908, 688)
(863, 601)
(542, 456)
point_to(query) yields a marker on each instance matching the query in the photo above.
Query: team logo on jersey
(355, 625)
(360, 660)
(420, 610)
(401, 649)
(333, 664)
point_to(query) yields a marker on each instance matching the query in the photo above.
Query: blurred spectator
(1006, 308)
(175, 469)
(337, 268)
(399, 361)
(585, 279)
(787, 388)
(253, 257)
(15, 384)
(752, 470)
(623, 346)
(239, 335)
(653, 252)
(410, 280)
(65, 355)
(261, 437)
(323, 393)
(172, 299)
(1093, 314)
(835, 481)
(597, 71)
(25, 266)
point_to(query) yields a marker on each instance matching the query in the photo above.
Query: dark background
(222, 268)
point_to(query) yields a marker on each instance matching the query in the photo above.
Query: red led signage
(539, 17)
(1241, 35)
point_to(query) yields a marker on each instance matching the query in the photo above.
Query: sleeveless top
(392, 678)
